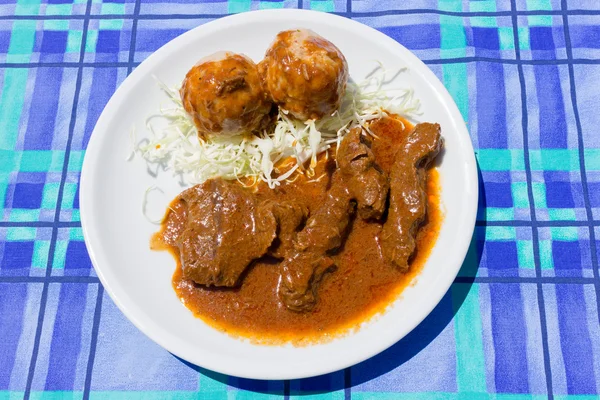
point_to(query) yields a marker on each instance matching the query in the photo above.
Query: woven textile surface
(521, 320)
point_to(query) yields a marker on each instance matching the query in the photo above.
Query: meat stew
(327, 252)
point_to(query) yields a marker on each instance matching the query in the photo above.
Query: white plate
(139, 280)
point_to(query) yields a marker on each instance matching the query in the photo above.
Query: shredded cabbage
(174, 144)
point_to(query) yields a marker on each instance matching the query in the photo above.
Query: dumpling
(304, 74)
(224, 95)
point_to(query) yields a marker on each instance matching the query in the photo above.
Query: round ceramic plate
(139, 280)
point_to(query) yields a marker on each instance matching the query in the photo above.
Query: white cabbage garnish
(174, 144)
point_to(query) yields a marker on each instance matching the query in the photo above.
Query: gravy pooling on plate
(315, 257)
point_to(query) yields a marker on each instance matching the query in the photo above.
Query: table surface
(520, 321)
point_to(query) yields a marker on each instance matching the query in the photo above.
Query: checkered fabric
(521, 320)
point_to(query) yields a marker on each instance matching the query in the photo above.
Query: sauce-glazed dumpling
(304, 74)
(224, 95)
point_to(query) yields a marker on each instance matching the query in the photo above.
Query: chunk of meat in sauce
(366, 182)
(225, 230)
(290, 216)
(408, 197)
(359, 179)
(303, 270)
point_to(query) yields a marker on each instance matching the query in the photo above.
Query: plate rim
(220, 23)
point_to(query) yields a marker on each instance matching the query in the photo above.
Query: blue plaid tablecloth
(521, 320)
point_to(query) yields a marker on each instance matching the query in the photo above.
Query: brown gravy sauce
(362, 287)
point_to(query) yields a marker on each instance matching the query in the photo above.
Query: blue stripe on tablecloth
(349, 14)
(491, 98)
(11, 323)
(19, 304)
(552, 108)
(44, 104)
(132, 45)
(66, 337)
(575, 344)
(57, 214)
(582, 166)
(508, 332)
(103, 84)
(536, 252)
(94, 342)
